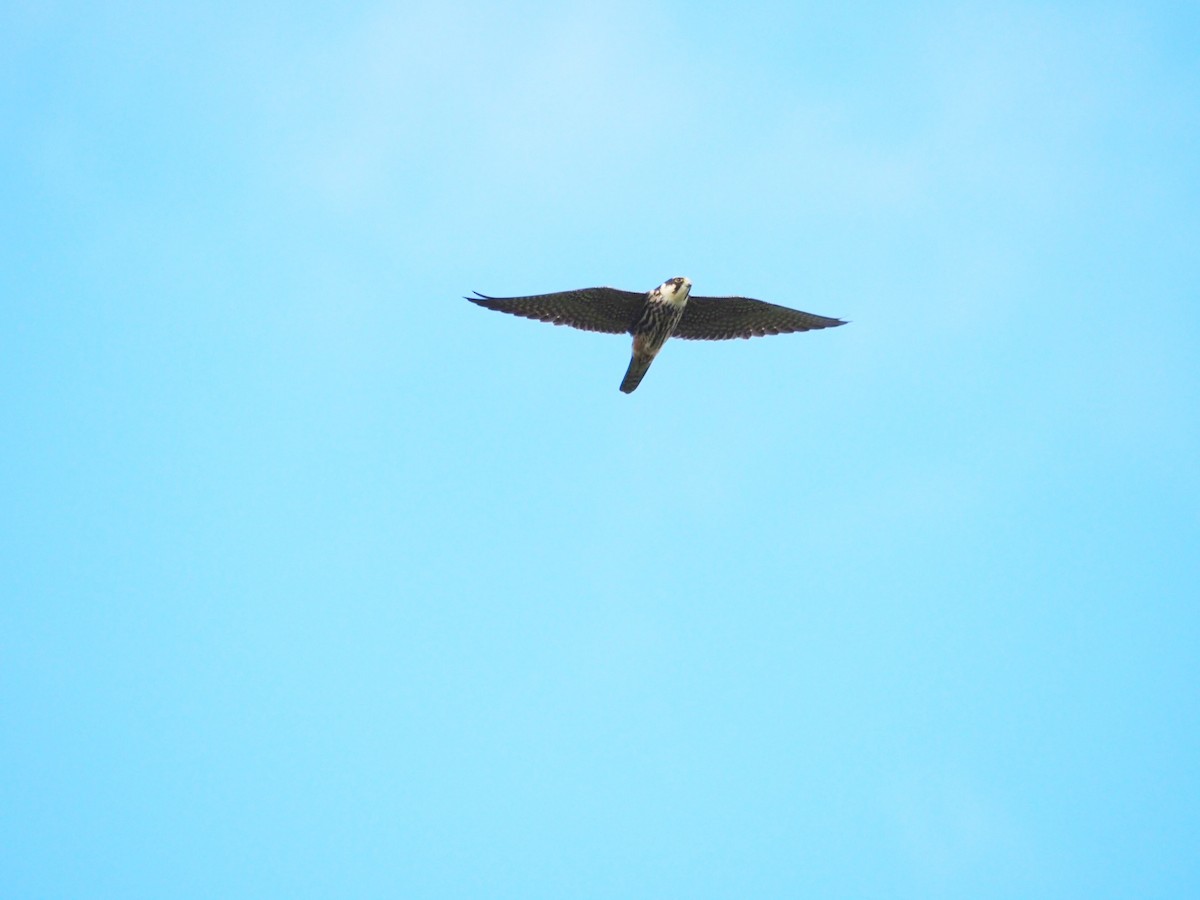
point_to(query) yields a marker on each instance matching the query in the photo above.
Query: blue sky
(319, 581)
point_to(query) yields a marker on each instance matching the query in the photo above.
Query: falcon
(669, 310)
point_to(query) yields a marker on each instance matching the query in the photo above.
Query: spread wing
(591, 309)
(721, 318)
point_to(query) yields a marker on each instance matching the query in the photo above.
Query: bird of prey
(667, 311)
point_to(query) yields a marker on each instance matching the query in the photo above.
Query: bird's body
(667, 311)
(658, 320)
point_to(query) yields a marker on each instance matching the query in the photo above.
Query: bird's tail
(636, 371)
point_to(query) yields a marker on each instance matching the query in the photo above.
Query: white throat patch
(674, 291)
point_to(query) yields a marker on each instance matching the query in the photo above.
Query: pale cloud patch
(951, 830)
(363, 109)
(416, 95)
(593, 96)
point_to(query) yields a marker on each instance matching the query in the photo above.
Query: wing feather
(602, 309)
(722, 318)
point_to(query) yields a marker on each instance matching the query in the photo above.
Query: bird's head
(674, 290)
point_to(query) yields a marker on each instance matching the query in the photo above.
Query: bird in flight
(667, 311)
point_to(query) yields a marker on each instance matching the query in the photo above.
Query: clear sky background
(319, 581)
